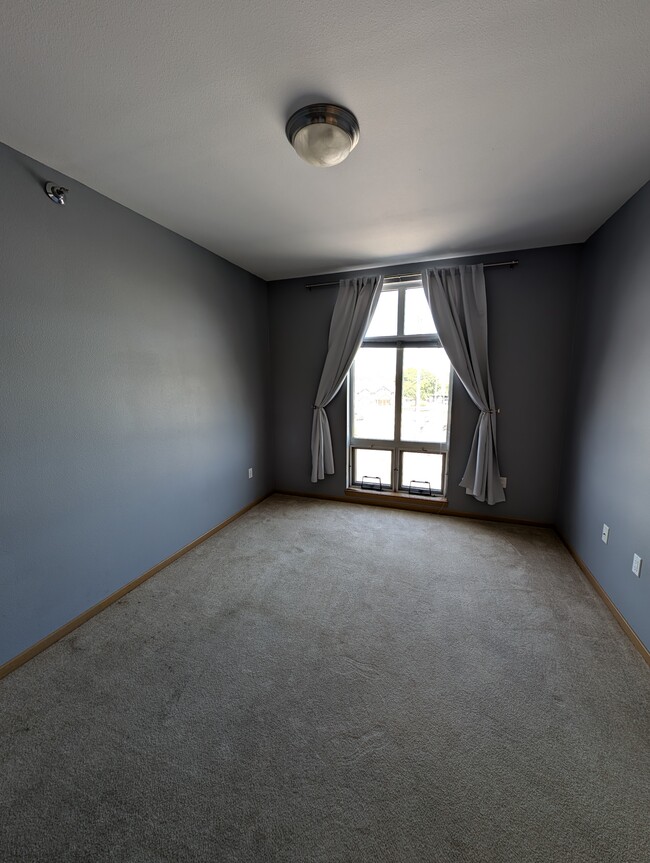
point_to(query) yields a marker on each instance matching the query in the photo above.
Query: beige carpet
(323, 682)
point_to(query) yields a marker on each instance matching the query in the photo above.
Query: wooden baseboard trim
(602, 593)
(73, 624)
(439, 508)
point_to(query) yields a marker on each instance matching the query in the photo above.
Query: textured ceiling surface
(485, 124)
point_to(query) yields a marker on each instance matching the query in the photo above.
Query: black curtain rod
(509, 264)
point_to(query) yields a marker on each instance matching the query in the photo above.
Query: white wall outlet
(250, 473)
(504, 481)
(636, 565)
(605, 534)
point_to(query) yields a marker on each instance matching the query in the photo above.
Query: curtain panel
(457, 298)
(355, 303)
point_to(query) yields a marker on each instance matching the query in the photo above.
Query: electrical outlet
(504, 481)
(636, 565)
(605, 534)
(250, 473)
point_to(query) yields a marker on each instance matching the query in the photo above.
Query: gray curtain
(456, 296)
(355, 303)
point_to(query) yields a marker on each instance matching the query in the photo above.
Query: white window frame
(396, 446)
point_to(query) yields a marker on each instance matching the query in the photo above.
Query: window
(400, 398)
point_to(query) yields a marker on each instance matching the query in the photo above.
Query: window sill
(422, 503)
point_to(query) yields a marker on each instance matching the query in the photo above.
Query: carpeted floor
(323, 682)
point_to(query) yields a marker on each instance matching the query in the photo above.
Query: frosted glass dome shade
(322, 145)
(323, 135)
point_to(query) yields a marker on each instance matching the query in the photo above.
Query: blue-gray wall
(531, 312)
(132, 398)
(607, 468)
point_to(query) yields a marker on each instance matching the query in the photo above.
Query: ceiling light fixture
(323, 135)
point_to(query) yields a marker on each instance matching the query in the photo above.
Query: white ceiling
(485, 124)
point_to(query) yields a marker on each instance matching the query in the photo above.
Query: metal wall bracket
(56, 193)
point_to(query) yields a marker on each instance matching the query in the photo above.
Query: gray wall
(607, 472)
(132, 397)
(531, 312)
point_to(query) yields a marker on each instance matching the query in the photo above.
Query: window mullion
(397, 467)
(398, 419)
(400, 312)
